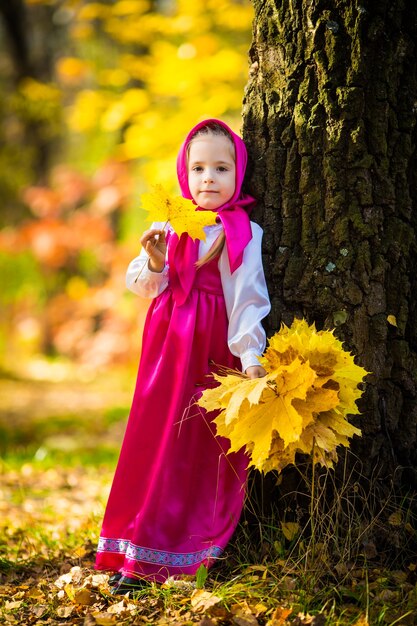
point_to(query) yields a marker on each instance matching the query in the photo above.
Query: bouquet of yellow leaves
(301, 405)
(178, 211)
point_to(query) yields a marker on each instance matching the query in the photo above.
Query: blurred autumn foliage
(95, 100)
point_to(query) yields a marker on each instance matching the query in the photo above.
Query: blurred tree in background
(96, 98)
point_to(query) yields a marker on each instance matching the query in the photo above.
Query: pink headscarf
(183, 252)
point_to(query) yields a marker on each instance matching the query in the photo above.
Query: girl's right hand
(154, 243)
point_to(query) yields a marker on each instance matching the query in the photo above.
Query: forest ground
(60, 442)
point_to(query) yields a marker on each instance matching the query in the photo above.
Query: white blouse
(245, 291)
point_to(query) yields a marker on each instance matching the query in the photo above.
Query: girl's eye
(197, 168)
(222, 169)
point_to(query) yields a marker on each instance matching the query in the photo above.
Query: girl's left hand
(255, 371)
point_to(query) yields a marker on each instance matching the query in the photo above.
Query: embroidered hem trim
(138, 553)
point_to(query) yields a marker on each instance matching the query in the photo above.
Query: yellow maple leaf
(316, 401)
(338, 424)
(178, 211)
(220, 396)
(279, 460)
(252, 390)
(254, 431)
(318, 435)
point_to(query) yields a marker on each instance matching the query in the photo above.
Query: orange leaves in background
(301, 405)
(55, 242)
(73, 214)
(69, 190)
(67, 268)
(178, 211)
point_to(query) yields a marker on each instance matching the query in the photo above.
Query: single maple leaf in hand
(178, 211)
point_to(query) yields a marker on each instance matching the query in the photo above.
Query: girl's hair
(211, 128)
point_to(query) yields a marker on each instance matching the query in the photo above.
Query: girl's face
(211, 170)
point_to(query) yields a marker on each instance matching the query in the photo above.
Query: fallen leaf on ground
(64, 611)
(279, 616)
(13, 604)
(35, 594)
(105, 619)
(203, 600)
(245, 620)
(40, 610)
(73, 576)
(259, 608)
(95, 580)
(84, 596)
(124, 607)
(241, 608)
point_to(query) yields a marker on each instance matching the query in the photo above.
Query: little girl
(176, 497)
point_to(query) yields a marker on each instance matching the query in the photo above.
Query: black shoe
(114, 579)
(126, 584)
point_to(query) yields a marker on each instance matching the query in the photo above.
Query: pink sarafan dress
(177, 496)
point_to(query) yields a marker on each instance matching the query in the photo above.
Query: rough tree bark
(330, 121)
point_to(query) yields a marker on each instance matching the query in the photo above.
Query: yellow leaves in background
(39, 102)
(130, 7)
(180, 212)
(37, 91)
(77, 288)
(301, 405)
(147, 73)
(93, 11)
(132, 102)
(236, 16)
(71, 70)
(87, 109)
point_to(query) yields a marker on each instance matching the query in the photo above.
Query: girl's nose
(208, 177)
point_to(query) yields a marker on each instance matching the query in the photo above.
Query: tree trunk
(29, 38)
(330, 123)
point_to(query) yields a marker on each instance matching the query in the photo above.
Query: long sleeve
(149, 284)
(247, 301)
